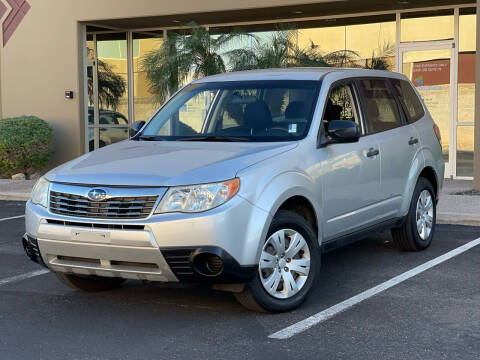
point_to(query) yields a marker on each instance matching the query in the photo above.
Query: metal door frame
(96, 112)
(96, 107)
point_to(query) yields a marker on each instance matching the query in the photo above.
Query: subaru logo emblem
(97, 194)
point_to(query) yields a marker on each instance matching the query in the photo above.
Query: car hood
(164, 163)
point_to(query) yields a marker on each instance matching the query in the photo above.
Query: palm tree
(273, 53)
(185, 56)
(380, 60)
(281, 51)
(162, 67)
(111, 86)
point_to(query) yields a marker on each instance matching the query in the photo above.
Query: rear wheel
(89, 283)
(288, 267)
(417, 231)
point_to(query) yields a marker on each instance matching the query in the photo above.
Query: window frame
(407, 117)
(351, 82)
(403, 120)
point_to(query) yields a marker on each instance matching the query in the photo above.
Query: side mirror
(136, 127)
(342, 131)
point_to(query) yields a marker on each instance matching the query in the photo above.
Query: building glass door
(429, 66)
(107, 111)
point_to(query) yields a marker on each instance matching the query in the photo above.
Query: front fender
(272, 192)
(284, 186)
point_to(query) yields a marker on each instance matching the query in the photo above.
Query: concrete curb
(14, 196)
(458, 219)
(15, 190)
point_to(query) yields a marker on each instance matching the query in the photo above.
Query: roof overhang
(344, 11)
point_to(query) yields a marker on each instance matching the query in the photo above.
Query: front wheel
(288, 267)
(417, 231)
(89, 283)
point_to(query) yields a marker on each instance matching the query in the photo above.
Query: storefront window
(426, 28)
(112, 73)
(465, 151)
(374, 44)
(370, 45)
(365, 45)
(111, 123)
(90, 47)
(328, 39)
(145, 103)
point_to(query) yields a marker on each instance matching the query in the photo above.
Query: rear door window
(380, 106)
(408, 98)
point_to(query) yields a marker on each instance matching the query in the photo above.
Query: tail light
(437, 134)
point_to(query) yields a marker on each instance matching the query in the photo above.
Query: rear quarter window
(409, 100)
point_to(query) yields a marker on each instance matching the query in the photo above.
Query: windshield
(236, 111)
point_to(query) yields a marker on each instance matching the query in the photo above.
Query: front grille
(97, 226)
(126, 207)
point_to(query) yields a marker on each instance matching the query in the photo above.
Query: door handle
(412, 141)
(372, 152)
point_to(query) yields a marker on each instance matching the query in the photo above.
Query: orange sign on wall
(437, 72)
(428, 73)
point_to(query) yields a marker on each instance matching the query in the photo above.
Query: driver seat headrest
(257, 116)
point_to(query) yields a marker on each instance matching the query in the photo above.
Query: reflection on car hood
(164, 163)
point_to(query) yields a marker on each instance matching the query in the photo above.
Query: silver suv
(241, 180)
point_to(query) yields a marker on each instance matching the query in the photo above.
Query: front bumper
(165, 247)
(30, 246)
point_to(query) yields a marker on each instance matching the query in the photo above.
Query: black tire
(255, 297)
(407, 237)
(90, 283)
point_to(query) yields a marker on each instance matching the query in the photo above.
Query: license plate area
(102, 237)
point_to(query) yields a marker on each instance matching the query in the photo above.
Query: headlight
(197, 198)
(39, 194)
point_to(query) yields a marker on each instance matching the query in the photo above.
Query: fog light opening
(208, 264)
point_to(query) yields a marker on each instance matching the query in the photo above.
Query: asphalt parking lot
(433, 315)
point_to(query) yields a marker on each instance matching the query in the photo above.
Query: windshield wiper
(150, 138)
(214, 138)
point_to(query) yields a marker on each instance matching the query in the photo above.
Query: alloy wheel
(424, 214)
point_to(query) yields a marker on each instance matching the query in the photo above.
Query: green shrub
(25, 145)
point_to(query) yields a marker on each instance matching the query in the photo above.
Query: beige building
(48, 47)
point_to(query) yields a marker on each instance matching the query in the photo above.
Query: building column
(476, 157)
(1, 49)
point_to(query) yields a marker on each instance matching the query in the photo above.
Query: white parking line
(12, 217)
(22, 276)
(347, 304)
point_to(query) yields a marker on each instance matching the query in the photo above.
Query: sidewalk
(458, 209)
(452, 208)
(15, 189)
